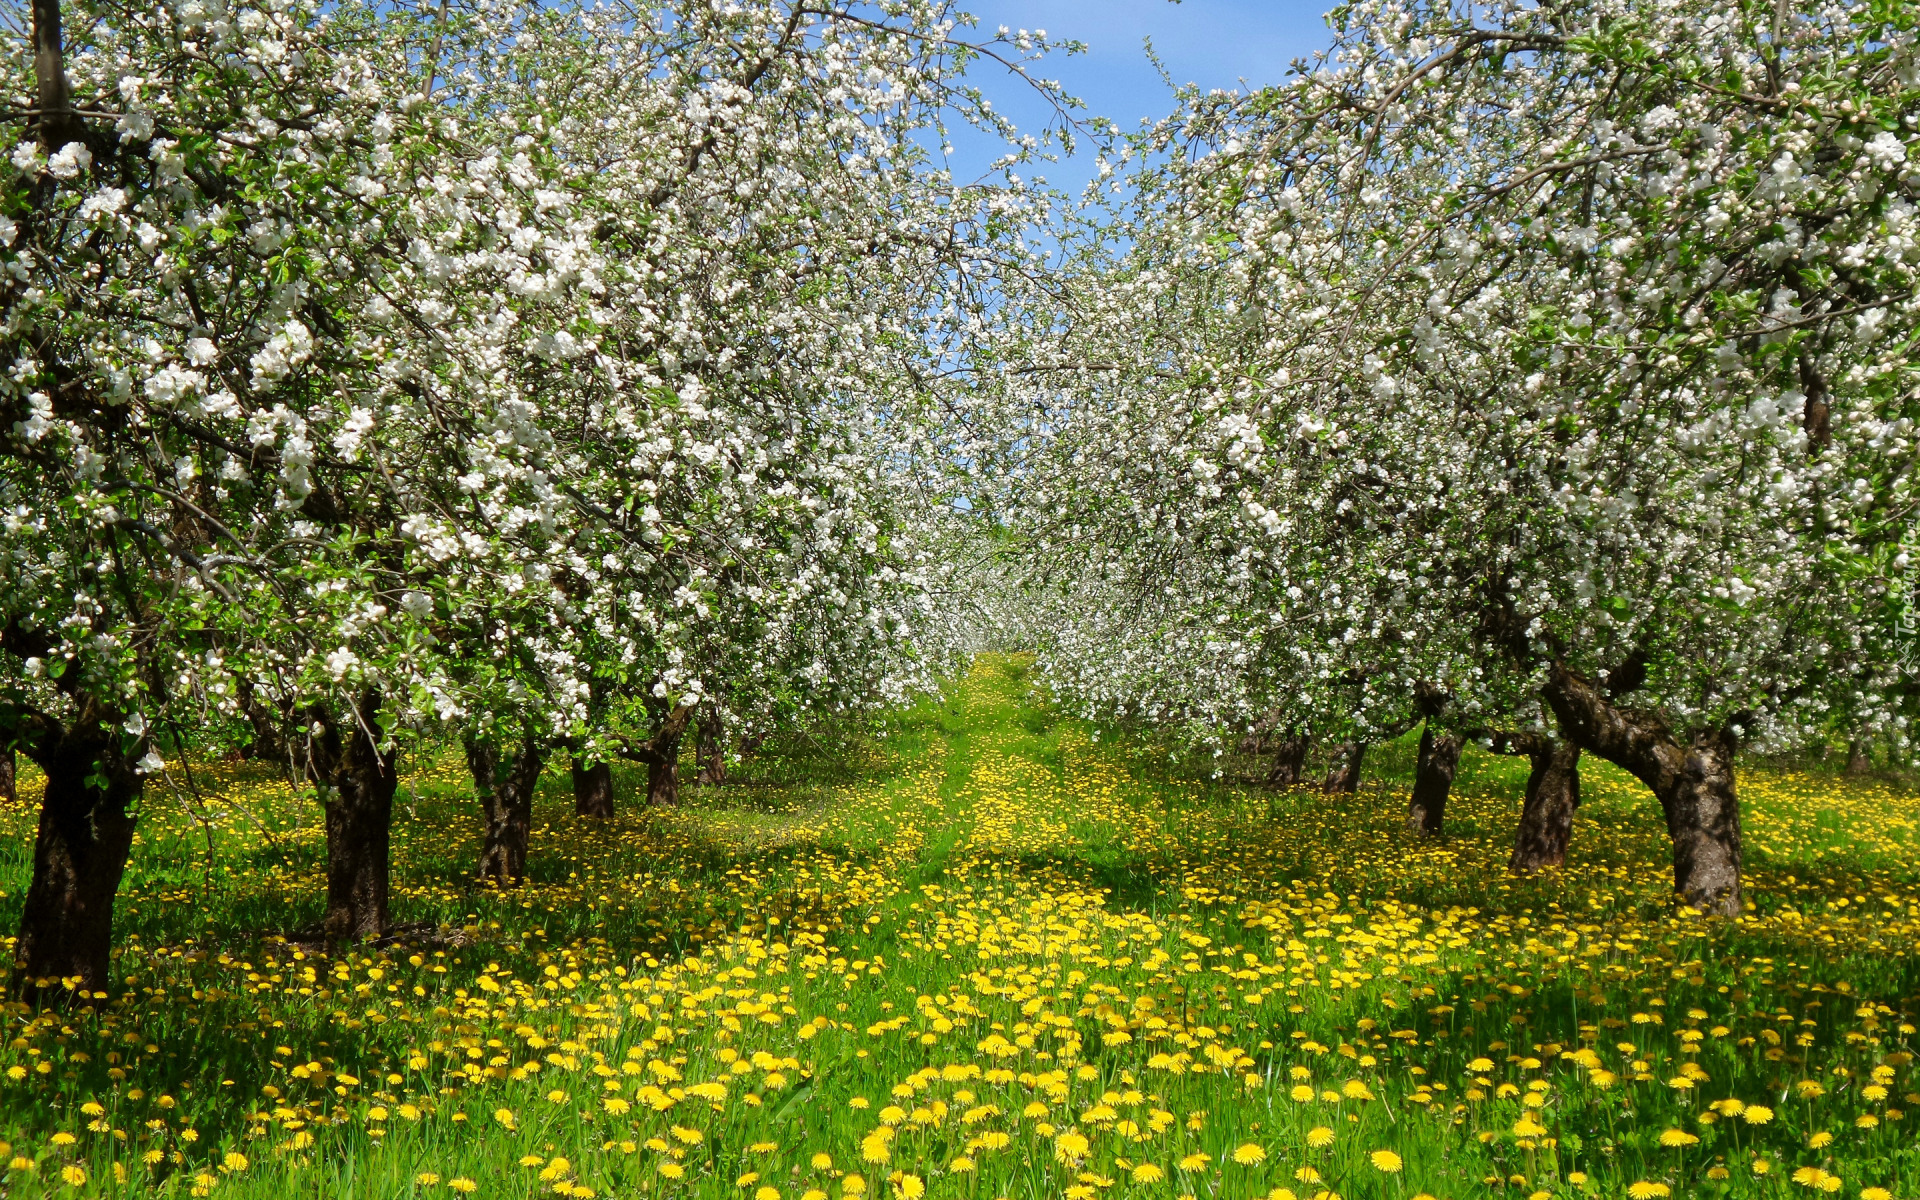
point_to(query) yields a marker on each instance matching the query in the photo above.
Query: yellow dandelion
(910, 1187)
(1677, 1137)
(426, 1179)
(1319, 1137)
(1147, 1173)
(1820, 1140)
(1301, 1093)
(1195, 1162)
(1756, 1114)
(1385, 1161)
(823, 1161)
(74, 1175)
(1249, 1154)
(460, 1183)
(1643, 1190)
(767, 1193)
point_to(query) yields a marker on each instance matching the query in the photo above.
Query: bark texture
(505, 785)
(1344, 775)
(1289, 760)
(55, 121)
(8, 794)
(663, 775)
(1858, 761)
(710, 751)
(592, 789)
(358, 781)
(1546, 818)
(79, 854)
(1433, 771)
(661, 754)
(1692, 778)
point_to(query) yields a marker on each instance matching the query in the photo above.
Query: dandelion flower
(1249, 1154)
(74, 1175)
(767, 1193)
(1301, 1093)
(1644, 1190)
(426, 1179)
(823, 1162)
(910, 1187)
(1195, 1162)
(1756, 1114)
(1148, 1173)
(1319, 1137)
(1820, 1140)
(1385, 1161)
(460, 1183)
(1677, 1137)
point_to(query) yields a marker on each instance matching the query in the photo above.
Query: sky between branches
(1212, 43)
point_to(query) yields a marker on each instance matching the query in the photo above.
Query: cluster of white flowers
(1487, 344)
(547, 365)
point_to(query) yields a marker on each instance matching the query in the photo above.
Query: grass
(983, 953)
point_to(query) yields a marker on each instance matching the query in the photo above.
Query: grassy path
(989, 954)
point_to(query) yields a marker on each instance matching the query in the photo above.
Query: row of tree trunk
(1690, 773)
(87, 820)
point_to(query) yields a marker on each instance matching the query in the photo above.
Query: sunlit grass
(981, 955)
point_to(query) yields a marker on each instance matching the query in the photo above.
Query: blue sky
(1214, 43)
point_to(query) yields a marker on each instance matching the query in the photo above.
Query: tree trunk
(56, 123)
(79, 855)
(1859, 762)
(7, 777)
(506, 804)
(592, 789)
(663, 774)
(1433, 772)
(358, 782)
(1546, 818)
(1693, 781)
(1344, 776)
(1289, 760)
(710, 752)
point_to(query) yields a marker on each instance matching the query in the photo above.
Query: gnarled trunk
(8, 794)
(1344, 775)
(592, 789)
(79, 855)
(1546, 818)
(710, 752)
(663, 773)
(1433, 771)
(1693, 780)
(506, 792)
(1289, 760)
(357, 782)
(661, 754)
(1859, 762)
